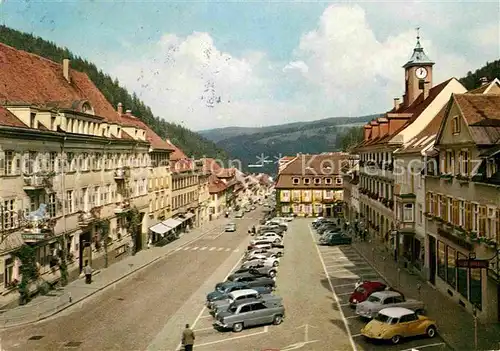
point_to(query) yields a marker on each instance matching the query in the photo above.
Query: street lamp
(474, 314)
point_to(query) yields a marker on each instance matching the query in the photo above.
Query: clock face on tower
(421, 73)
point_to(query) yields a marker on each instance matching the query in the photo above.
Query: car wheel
(275, 264)
(431, 331)
(237, 327)
(396, 339)
(272, 274)
(278, 319)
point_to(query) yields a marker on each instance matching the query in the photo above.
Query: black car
(252, 280)
(325, 228)
(244, 273)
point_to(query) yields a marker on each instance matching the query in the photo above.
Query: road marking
(205, 308)
(351, 269)
(187, 248)
(351, 317)
(212, 248)
(195, 248)
(344, 294)
(357, 335)
(203, 248)
(203, 329)
(424, 346)
(346, 324)
(236, 250)
(220, 249)
(208, 316)
(228, 249)
(343, 276)
(343, 285)
(233, 338)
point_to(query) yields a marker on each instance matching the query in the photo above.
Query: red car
(365, 289)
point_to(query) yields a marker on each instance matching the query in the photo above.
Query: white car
(273, 237)
(275, 222)
(266, 261)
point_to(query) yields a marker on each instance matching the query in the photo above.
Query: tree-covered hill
(490, 70)
(193, 144)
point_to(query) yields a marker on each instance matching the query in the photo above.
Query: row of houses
(425, 183)
(77, 174)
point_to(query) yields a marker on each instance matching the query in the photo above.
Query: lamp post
(474, 314)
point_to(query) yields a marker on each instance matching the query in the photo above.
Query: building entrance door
(328, 212)
(432, 260)
(85, 249)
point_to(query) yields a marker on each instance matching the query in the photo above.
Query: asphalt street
(130, 315)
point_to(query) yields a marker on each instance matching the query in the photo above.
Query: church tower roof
(419, 57)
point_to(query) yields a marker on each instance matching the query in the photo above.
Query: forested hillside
(193, 144)
(490, 70)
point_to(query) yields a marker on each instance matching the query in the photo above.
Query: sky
(211, 64)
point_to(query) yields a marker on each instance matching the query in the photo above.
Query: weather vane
(418, 32)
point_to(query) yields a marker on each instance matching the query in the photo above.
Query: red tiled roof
(211, 166)
(153, 138)
(30, 79)
(9, 119)
(215, 185)
(415, 109)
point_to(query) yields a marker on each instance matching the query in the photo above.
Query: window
(408, 213)
(451, 273)
(317, 180)
(462, 276)
(450, 210)
(399, 299)
(296, 181)
(420, 214)
(9, 162)
(245, 309)
(307, 180)
(9, 209)
(461, 213)
(475, 217)
(70, 167)
(439, 204)
(464, 163)
(338, 181)
(450, 162)
(70, 205)
(52, 162)
(52, 205)
(95, 203)
(408, 318)
(328, 181)
(455, 125)
(441, 260)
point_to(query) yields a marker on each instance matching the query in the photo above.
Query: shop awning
(160, 228)
(171, 223)
(188, 215)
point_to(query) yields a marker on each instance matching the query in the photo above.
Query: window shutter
(455, 212)
(2, 163)
(444, 213)
(482, 220)
(468, 216)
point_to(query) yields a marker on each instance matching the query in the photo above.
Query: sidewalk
(455, 325)
(42, 307)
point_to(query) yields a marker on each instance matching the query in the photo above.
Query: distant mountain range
(259, 148)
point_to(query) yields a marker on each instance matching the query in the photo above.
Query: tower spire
(418, 57)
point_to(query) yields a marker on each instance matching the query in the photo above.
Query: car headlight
(354, 300)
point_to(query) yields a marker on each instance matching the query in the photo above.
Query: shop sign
(480, 264)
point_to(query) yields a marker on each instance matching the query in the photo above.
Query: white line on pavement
(187, 248)
(203, 248)
(212, 248)
(345, 304)
(424, 346)
(342, 285)
(357, 335)
(215, 237)
(351, 317)
(266, 328)
(236, 250)
(203, 329)
(347, 269)
(207, 316)
(228, 249)
(220, 249)
(346, 324)
(346, 265)
(178, 249)
(344, 294)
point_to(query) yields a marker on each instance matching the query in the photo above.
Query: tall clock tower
(418, 74)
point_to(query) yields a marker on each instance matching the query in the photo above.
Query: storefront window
(441, 260)
(475, 287)
(451, 273)
(462, 274)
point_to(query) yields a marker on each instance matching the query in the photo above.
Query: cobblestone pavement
(455, 324)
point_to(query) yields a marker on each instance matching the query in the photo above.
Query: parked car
(271, 228)
(325, 228)
(365, 289)
(253, 208)
(325, 238)
(258, 268)
(396, 323)
(238, 214)
(230, 227)
(258, 244)
(247, 314)
(245, 276)
(269, 261)
(384, 299)
(272, 237)
(242, 295)
(223, 289)
(337, 239)
(252, 281)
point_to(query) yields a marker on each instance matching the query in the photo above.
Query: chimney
(484, 81)
(404, 100)
(396, 123)
(367, 131)
(397, 102)
(66, 70)
(120, 108)
(128, 112)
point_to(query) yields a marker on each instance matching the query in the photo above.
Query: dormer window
(87, 108)
(296, 180)
(317, 181)
(455, 125)
(307, 181)
(338, 181)
(328, 180)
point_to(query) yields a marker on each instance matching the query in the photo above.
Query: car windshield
(385, 319)
(360, 289)
(373, 299)
(232, 308)
(221, 288)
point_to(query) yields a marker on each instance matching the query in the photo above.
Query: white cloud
(343, 67)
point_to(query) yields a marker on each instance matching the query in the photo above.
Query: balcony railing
(85, 218)
(122, 173)
(37, 229)
(122, 207)
(37, 181)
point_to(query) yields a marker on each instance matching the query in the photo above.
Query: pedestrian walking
(188, 338)
(88, 272)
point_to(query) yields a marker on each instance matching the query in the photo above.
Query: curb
(446, 339)
(105, 286)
